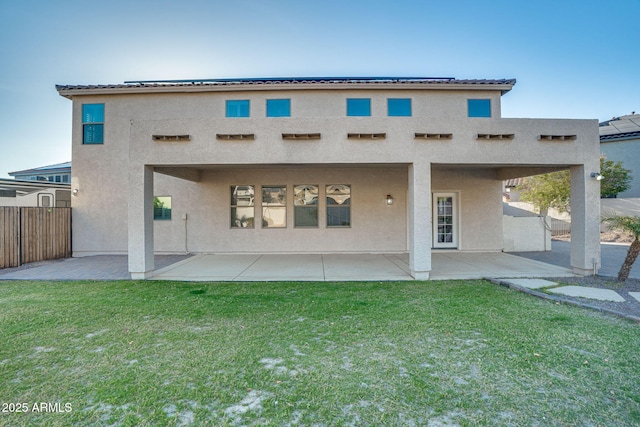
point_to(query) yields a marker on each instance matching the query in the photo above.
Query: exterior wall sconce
(74, 191)
(389, 200)
(597, 176)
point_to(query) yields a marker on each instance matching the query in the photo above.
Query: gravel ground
(630, 307)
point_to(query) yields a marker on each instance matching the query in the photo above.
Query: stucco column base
(583, 271)
(141, 262)
(420, 275)
(141, 276)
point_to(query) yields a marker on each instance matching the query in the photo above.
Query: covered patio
(352, 267)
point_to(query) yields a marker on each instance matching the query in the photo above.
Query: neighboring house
(34, 194)
(60, 172)
(620, 142)
(314, 165)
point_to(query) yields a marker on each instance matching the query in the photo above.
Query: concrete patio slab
(207, 267)
(298, 267)
(591, 293)
(98, 267)
(288, 267)
(352, 267)
(532, 283)
(635, 295)
(493, 265)
(362, 267)
(291, 267)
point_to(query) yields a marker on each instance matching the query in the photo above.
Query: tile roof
(505, 84)
(619, 136)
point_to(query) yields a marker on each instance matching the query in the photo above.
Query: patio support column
(420, 220)
(585, 219)
(141, 222)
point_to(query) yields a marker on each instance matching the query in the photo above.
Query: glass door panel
(445, 233)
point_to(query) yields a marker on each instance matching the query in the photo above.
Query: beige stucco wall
(479, 205)
(375, 227)
(530, 233)
(627, 152)
(109, 176)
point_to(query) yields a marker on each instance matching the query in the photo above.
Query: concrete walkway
(99, 267)
(349, 267)
(489, 265)
(299, 267)
(612, 255)
(570, 290)
(288, 267)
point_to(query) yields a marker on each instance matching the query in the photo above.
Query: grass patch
(284, 354)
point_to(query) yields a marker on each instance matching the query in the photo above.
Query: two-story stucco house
(313, 165)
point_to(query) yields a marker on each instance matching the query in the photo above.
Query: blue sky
(571, 58)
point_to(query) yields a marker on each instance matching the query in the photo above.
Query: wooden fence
(33, 234)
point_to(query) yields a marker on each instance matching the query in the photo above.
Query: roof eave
(70, 91)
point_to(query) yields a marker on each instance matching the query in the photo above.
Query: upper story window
(399, 107)
(278, 108)
(479, 107)
(237, 107)
(358, 107)
(93, 123)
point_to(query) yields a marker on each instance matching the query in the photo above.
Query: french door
(445, 220)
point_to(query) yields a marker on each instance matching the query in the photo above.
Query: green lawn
(310, 354)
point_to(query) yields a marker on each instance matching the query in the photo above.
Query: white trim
(455, 243)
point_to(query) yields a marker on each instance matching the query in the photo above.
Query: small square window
(162, 207)
(479, 107)
(358, 107)
(237, 108)
(93, 123)
(278, 108)
(399, 107)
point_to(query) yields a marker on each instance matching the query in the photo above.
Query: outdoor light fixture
(389, 199)
(597, 176)
(74, 191)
